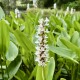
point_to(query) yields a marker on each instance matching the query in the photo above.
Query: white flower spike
(35, 3)
(17, 13)
(46, 22)
(28, 6)
(67, 9)
(72, 11)
(42, 47)
(55, 6)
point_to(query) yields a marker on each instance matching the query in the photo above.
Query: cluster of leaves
(17, 48)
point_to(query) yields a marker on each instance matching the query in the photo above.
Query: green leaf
(59, 27)
(75, 37)
(56, 20)
(51, 38)
(2, 15)
(12, 52)
(51, 68)
(76, 25)
(13, 39)
(63, 52)
(40, 73)
(33, 73)
(24, 41)
(20, 75)
(4, 37)
(12, 14)
(71, 46)
(13, 68)
(57, 74)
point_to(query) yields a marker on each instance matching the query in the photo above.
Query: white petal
(40, 39)
(46, 20)
(41, 63)
(37, 59)
(41, 21)
(45, 45)
(45, 41)
(41, 26)
(54, 5)
(43, 55)
(37, 36)
(37, 52)
(37, 48)
(36, 42)
(67, 9)
(46, 24)
(72, 10)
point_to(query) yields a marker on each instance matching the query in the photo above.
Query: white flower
(42, 47)
(40, 26)
(46, 22)
(36, 42)
(35, 3)
(28, 6)
(37, 48)
(57, 14)
(72, 11)
(36, 36)
(40, 39)
(22, 27)
(55, 6)
(46, 46)
(37, 52)
(17, 13)
(37, 58)
(40, 30)
(41, 21)
(67, 9)
(66, 12)
(42, 63)
(45, 41)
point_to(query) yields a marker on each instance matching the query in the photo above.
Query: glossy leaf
(20, 75)
(71, 46)
(12, 52)
(51, 69)
(4, 37)
(66, 53)
(77, 25)
(40, 73)
(2, 14)
(75, 37)
(13, 68)
(24, 41)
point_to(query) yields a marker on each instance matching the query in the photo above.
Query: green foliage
(12, 52)
(4, 37)
(50, 69)
(17, 47)
(13, 68)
